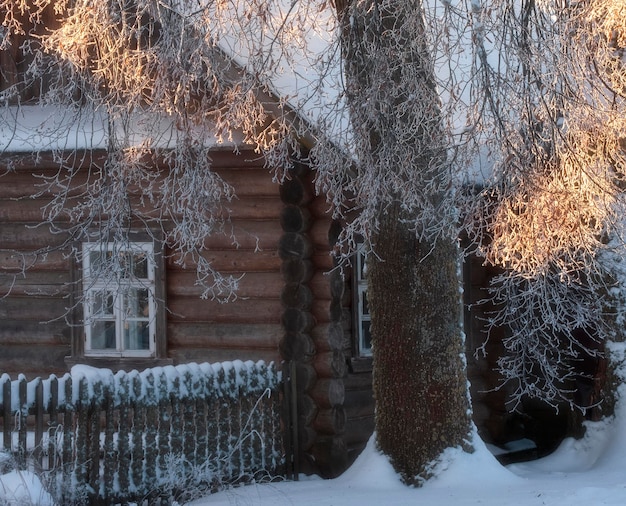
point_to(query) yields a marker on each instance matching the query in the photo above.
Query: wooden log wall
(34, 335)
(344, 399)
(488, 402)
(248, 328)
(297, 345)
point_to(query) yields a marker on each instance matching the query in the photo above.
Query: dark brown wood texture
(34, 335)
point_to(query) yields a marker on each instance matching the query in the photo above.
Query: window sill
(118, 363)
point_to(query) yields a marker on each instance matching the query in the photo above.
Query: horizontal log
(298, 347)
(13, 261)
(25, 182)
(295, 219)
(253, 285)
(325, 311)
(22, 210)
(320, 208)
(296, 191)
(320, 284)
(330, 364)
(296, 295)
(329, 337)
(306, 437)
(222, 157)
(248, 234)
(34, 361)
(305, 376)
(297, 270)
(294, 246)
(33, 332)
(323, 260)
(200, 355)
(40, 309)
(46, 283)
(297, 321)
(358, 382)
(319, 233)
(239, 311)
(307, 409)
(232, 261)
(328, 393)
(250, 182)
(230, 335)
(29, 237)
(330, 421)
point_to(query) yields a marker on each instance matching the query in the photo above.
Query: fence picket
(137, 435)
(110, 460)
(22, 422)
(144, 436)
(69, 441)
(123, 438)
(53, 410)
(6, 412)
(164, 427)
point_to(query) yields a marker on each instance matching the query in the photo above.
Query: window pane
(140, 265)
(365, 309)
(366, 338)
(137, 335)
(134, 264)
(98, 261)
(102, 303)
(138, 303)
(103, 335)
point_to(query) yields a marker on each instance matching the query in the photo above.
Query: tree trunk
(420, 387)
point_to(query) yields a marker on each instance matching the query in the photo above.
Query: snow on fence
(157, 435)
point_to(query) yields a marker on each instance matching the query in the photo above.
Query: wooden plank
(234, 335)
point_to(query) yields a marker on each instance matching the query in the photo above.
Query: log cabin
(291, 304)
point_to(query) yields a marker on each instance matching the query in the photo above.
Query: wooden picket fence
(157, 436)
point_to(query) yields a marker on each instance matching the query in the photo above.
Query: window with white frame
(119, 299)
(364, 336)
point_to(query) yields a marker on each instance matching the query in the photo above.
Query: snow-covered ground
(589, 472)
(586, 472)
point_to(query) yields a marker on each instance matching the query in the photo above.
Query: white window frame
(363, 317)
(119, 286)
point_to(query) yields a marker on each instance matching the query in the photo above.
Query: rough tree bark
(420, 386)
